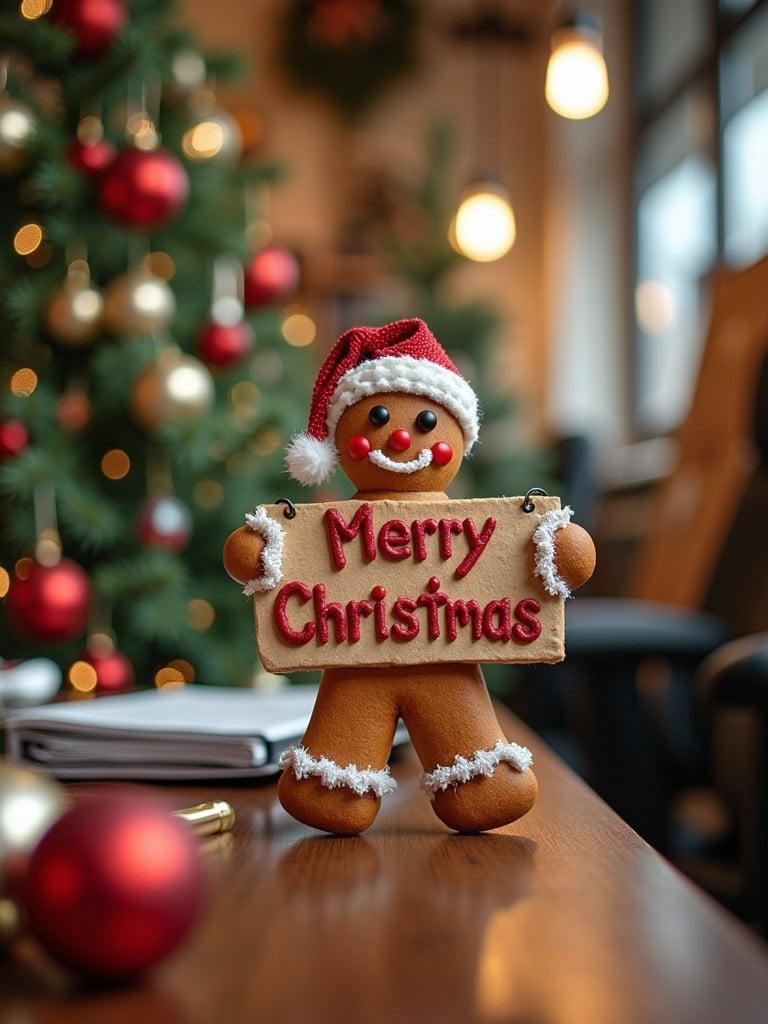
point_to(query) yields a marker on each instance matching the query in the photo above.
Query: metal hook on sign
(527, 505)
(290, 509)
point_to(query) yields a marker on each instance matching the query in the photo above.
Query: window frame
(647, 111)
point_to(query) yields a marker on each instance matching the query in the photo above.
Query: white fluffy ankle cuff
(332, 775)
(482, 762)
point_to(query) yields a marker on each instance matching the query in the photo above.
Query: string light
(28, 238)
(162, 265)
(169, 677)
(5, 581)
(266, 442)
(115, 464)
(185, 668)
(208, 494)
(299, 329)
(23, 382)
(82, 677)
(32, 9)
(204, 140)
(200, 614)
(577, 78)
(23, 568)
(483, 228)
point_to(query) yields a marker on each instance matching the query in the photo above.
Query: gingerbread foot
(485, 803)
(340, 811)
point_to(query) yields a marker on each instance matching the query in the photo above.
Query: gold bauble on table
(175, 387)
(73, 313)
(17, 129)
(29, 805)
(138, 303)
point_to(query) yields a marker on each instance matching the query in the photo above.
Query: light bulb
(483, 228)
(577, 78)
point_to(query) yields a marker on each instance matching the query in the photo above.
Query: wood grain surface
(567, 917)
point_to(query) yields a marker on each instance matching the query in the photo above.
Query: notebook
(193, 732)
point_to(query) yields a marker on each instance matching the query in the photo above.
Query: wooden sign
(407, 583)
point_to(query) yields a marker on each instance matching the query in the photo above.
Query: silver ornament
(17, 129)
(175, 387)
(73, 313)
(29, 805)
(138, 303)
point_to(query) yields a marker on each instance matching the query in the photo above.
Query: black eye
(379, 415)
(426, 421)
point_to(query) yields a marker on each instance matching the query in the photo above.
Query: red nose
(400, 440)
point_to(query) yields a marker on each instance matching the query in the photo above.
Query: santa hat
(401, 356)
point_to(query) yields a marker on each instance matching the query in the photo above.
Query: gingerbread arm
(253, 554)
(565, 553)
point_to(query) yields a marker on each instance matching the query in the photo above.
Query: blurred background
(196, 200)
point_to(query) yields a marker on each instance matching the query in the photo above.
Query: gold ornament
(17, 128)
(175, 387)
(216, 136)
(73, 312)
(29, 805)
(138, 303)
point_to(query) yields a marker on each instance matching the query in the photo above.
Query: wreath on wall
(349, 50)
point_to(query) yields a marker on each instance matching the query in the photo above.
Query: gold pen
(209, 819)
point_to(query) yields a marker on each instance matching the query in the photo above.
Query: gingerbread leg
(335, 779)
(474, 777)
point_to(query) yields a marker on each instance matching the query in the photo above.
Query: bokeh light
(28, 238)
(23, 382)
(115, 464)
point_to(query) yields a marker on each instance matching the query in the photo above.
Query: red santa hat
(402, 356)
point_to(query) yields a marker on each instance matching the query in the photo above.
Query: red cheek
(358, 447)
(442, 454)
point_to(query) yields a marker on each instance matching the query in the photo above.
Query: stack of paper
(194, 732)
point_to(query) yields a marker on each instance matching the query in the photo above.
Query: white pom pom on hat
(403, 356)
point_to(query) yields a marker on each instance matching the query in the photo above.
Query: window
(700, 182)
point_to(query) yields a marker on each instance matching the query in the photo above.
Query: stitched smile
(378, 458)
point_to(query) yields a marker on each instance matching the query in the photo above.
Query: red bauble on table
(225, 344)
(114, 673)
(144, 188)
(164, 523)
(271, 275)
(91, 157)
(93, 23)
(114, 886)
(51, 602)
(13, 438)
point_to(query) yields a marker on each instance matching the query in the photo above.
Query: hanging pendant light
(577, 78)
(483, 228)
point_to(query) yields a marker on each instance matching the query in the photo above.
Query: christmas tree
(143, 410)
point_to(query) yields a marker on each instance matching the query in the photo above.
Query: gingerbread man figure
(394, 411)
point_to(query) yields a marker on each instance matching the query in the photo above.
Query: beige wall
(317, 147)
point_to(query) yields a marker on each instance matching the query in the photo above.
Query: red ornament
(52, 602)
(94, 23)
(13, 438)
(114, 886)
(442, 453)
(358, 447)
(164, 523)
(271, 275)
(91, 157)
(225, 344)
(400, 440)
(144, 188)
(114, 673)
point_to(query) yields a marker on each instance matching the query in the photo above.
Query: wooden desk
(566, 917)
